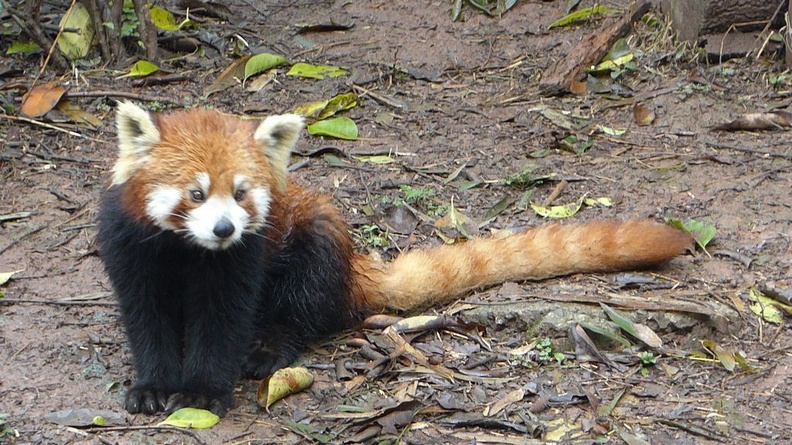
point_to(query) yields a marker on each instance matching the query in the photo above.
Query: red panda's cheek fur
(133, 198)
(177, 219)
(203, 141)
(256, 216)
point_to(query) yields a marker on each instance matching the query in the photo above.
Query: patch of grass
(417, 195)
(647, 359)
(541, 354)
(371, 236)
(4, 430)
(129, 21)
(525, 178)
(420, 197)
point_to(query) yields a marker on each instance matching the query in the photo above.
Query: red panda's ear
(137, 133)
(278, 135)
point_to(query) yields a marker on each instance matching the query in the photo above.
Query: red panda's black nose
(224, 228)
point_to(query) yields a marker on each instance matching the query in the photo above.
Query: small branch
(30, 24)
(148, 33)
(42, 124)
(21, 237)
(749, 150)
(51, 157)
(109, 38)
(54, 42)
(124, 94)
(57, 302)
(555, 193)
(589, 50)
(166, 429)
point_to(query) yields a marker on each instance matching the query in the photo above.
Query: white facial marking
(203, 181)
(239, 182)
(261, 201)
(160, 203)
(202, 220)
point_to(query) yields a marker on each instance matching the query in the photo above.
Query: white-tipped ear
(137, 133)
(278, 135)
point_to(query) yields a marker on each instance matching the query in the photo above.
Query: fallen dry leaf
(758, 121)
(41, 99)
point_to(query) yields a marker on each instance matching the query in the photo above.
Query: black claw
(145, 400)
(218, 405)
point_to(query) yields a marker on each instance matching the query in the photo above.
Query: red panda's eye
(240, 195)
(197, 195)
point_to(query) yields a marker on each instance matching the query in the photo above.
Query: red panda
(225, 267)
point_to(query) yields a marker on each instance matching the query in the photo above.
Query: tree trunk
(692, 18)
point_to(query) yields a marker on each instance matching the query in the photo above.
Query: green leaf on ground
(142, 68)
(607, 332)
(263, 62)
(163, 19)
(766, 307)
(192, 418)
(637, 330)
(375, 159)
(611, 131)
(703, 233)
(558, 212)
(580, 15)
(593, 202)
(322, 109)
(315, 71)
(725, 357)
(337, 127)
(26, 48)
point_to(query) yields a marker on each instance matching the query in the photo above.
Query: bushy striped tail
(422, 277)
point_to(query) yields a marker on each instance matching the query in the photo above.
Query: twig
(43, 124)
(21, 237)
(57, 244)
(163, 428)
(124, 94)
(692, 429)
(54, 42)
(749, 150)
(555, 193)
(57, 302)
(79, 227)
(31, 26)
(764, 32)
(15, 216)
(378, 97)
(48, 157)
(63, 197)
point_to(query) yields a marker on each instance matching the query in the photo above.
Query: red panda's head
(205, 175)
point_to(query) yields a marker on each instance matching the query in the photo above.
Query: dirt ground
(456, 105)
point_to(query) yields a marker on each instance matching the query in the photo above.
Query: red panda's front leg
(222, 297)
(219, 317)
(138, 260)
(307, 288)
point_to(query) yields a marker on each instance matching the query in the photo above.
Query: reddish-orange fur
(422, 277)
(207, 141)
(200, 141)
(222, 266)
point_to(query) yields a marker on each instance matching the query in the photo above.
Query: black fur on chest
(197, 319)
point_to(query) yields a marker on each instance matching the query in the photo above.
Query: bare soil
(446, 98)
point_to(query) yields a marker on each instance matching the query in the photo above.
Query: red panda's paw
(145, 399)
(262, 364)
(216, 404)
